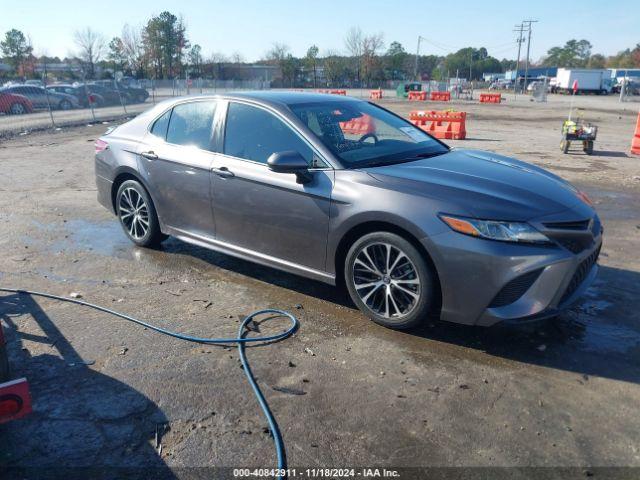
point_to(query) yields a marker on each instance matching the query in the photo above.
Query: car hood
(485, 185)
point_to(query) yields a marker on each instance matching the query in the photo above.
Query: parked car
(34, 82)
(134, 94)
(14, 104)
(41, 98)
(109, 95)
(86, 98)
(407, 224)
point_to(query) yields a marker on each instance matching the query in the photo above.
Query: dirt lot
(345, 391)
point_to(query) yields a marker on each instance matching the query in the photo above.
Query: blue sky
(250, 27)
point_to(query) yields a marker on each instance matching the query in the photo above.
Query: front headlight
(495, 230)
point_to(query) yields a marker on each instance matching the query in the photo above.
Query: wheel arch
(122, 176)
(364, 228)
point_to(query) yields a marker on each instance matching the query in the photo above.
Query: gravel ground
(345, 391)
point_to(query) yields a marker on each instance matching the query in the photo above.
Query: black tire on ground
(142, 98)
(17, 109)
(424, 303)
(65, 105)
(588, 147)
(153, 236)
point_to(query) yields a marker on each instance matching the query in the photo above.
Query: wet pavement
(344, 390)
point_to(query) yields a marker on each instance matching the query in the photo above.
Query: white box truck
(596, 81)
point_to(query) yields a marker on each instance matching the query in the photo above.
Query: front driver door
(263, 211)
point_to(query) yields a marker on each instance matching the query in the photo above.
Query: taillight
(101, 145)
(10, 405)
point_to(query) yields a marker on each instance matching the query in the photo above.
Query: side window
(159, 128)
(254, 134)
(191, 124)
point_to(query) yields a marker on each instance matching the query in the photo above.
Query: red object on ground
(421, 96)
(358, 126)
(375, 94)
(440, 96)
(441, 124)
(635, 141)
(490, 97)
(15, 401)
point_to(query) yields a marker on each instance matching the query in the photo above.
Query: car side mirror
(290, 162)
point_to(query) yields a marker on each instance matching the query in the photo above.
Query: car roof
(275, 98)
(284, 97)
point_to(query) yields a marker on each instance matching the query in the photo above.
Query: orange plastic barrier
(358, 126)
(440, 96)
(490, 97)
(417, 96)
(441, 124)
(375, 94)
(635, 141)
(334, 92)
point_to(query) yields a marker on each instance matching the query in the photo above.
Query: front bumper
(472, 271)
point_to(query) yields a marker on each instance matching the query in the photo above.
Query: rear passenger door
(175, 160)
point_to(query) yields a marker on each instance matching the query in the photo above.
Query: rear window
(191, 124)
(159, 128)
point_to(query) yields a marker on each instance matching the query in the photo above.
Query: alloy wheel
(18, 109)
(134, 213)
(386, 280)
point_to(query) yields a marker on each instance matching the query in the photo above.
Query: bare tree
(236, 57)
(371, 47)
(92, 46)
(353, 43)
(277, 53)
(134, 49)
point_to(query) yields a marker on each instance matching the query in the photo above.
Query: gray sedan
(42, 98)
(345, 192)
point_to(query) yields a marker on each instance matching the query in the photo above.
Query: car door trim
(251, 255)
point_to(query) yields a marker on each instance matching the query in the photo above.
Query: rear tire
(65, 105)
(389, 280)
(17, 109)
(137, 215)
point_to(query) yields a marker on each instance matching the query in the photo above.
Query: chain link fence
(36, 104)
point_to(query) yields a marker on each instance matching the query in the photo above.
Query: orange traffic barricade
(490, 97)
(635, 141)
(375, 94)
(338, 92)
(441, 124)
(358, 126)
(440, 96)
(417, 96)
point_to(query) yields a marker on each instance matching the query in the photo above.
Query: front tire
(389, 280)
(65, 105)
(137, 215)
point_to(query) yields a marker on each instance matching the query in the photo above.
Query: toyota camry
(346, 192)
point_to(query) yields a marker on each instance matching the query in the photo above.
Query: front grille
(580, 274)
(577, 225)
(576, 235)
(572, 244)
(513, 290)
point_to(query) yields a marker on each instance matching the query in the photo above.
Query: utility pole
(526, 68)
(415, 71)
(519, 29)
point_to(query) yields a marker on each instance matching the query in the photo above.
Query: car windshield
(361, 134)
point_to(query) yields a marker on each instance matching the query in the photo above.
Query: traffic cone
(635, 142)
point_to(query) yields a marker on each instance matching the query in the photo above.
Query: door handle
(223, 172)
(150, 155)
